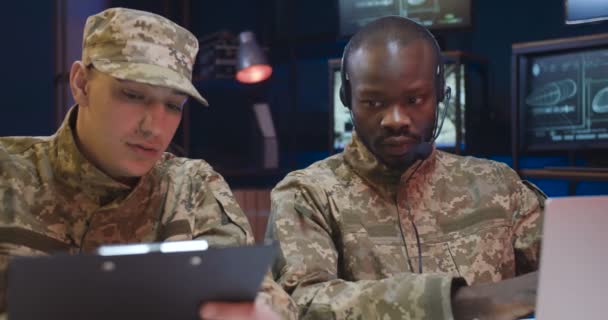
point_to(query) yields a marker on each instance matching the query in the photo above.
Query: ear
(79, 83)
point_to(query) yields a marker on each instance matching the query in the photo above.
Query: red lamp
(252, 66)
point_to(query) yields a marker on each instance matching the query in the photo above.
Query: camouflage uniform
(52, 199)
(344, 256)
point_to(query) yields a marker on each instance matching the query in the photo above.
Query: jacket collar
(76, 172)
(377, 174)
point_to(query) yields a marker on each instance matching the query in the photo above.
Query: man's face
(124, 127)
(393, 98)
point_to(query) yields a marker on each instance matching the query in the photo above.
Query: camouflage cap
(143, 47)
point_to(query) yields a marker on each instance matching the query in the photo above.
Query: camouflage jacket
(348, 245)
(53, 200)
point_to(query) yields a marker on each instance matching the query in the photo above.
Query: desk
(573, 176)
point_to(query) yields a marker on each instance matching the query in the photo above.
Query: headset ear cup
(441, 84)
(345, 86)
(343, 97)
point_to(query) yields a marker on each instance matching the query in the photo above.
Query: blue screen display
(580, 11)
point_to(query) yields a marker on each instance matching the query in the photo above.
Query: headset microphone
(424, 149)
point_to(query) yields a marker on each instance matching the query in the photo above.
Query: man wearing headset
(393, 228)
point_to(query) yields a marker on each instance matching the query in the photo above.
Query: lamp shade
(252, 65)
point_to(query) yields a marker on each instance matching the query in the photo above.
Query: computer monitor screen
(583, 11)
(434, 14)
(447, 137)
(342, 122)
(564, 99)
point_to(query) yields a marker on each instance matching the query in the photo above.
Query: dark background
(301, 36)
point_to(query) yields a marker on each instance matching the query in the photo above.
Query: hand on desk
(237, 311)
(506, 300)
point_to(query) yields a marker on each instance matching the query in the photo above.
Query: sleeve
(309, 267)
(220, 221)
(528, 201)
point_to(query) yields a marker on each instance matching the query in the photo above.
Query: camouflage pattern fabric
(343, 256)
(53, 200)
(141, 46)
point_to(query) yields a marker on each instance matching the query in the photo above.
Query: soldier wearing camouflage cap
(104, 177)
(391, 229)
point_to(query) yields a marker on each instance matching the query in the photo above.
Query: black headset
(441, 91)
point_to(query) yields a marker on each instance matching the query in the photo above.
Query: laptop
(139, 281)
(573, 279)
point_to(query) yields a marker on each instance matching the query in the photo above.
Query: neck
(83, 146)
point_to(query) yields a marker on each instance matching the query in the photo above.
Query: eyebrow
(369, 93)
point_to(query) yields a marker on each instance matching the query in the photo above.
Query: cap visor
(150, 74)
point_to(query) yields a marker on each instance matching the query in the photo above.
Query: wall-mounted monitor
(585, 11)
(448, 137)
(341, 125)
(560, 94)
(434, 14)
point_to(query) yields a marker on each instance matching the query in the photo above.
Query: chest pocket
(476, 246)
(372, 247)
